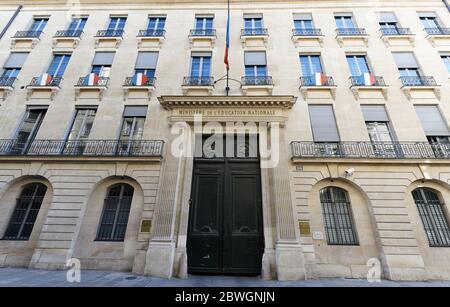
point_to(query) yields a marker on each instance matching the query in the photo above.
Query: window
(117, 23)
(344, 21)
(132, 128)
(303, 22)
(200, 65)
(203, 22)
(338, 219)
(388, 23)
(27, 208)
(146, 63)
(429, 20)
(102, 64)
(253, 21)
(358, 66)
(116, 210)
(58, 65)
(435, 129)
(446, 59)
(28, 129)
(38, 24)
(14, 64)
(324, 129)
(156, 23)
(408, 68)
(77, 24)
(310, 65)
(80, 130)
(255, 64)
(433, 216)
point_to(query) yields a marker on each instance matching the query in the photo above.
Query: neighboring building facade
(353, 92)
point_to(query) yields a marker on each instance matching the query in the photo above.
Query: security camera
(349, 172)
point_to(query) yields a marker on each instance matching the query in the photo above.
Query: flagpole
(227, 89)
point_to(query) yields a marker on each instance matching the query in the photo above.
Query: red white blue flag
(91, 79)
(225, 60)
(369, 79)
(139, 79)
(44, 80)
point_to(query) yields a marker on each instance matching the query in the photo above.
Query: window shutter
(323, 123)
(255, 58)
(201, 54)
(249, 16)
(135, 111)
(146, 60)
(387, 17)
(405, 60)
(374, 113)
(428, 14)
(16, 60)
(343, 15)
(103, 58)
(303, 16)
(432, 121)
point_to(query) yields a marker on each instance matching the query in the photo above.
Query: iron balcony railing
(147, 148)
(307, 32)
(438, 31)
(311, 81)
(260, 80)
(396, 31)
(27, 34)
(198, 81)
(203, 32)
(129, 82)
(418, 81)
(7, 81)
(152, 33)
(55, 81)
(69, 33)
(102, 82)
(360, 81)
(110, 33)
(254, 32)
(395, 150)
(351, 31)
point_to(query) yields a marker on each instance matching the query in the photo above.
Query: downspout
(11, 21)
(447, 4)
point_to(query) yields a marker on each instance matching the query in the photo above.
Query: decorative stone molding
(321, 92)
(5, 91)
(398, 40)
(422, 92)
(249, 41)
(107, 42)
(250, 90)
(369, 91)
(49, 90)
(24, 43)
(99, 89)
(202, 41)
(66, 42)
(150, 42)
(195, 90)
(148, 90)
(352, 40)
(439, 40)
(308, 41)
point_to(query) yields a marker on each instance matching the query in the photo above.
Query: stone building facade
(351, 95)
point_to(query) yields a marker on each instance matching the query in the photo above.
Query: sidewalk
(18, 277)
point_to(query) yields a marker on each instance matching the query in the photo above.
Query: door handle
(190, 201)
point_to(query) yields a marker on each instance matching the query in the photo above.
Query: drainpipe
(11, 21)
(447, 4)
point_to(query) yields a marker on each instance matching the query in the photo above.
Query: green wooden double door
(225, 233)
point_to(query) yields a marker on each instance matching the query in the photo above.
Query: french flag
(320, 79)
(140, 79)
(225, 60)
(369, 79)
(91, 79)
(44, 80)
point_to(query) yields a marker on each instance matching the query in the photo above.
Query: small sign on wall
(305, 229)
(146, 225)
(318, 235)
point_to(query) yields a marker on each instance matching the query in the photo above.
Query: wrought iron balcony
(311, 81)
(7, 81)
(101, 82)
(69, 33)
(351, 32)
(256, 81)
(129, 82)
(97, 148)
(396, 31)
(54, 82)
(364, 150)
(198, 81)
(203, 32)
(360, 81)
(438, 31)
(418, 81)
(254, 32)
(110, 33)
(27, 34)
(307, 32)
(152, 33)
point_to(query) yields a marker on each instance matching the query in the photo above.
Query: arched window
(432, 213)
(114, 220)
(27, 208)
(338, 219)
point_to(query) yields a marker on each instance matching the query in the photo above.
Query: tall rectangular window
(253, 21)
(146, 63)
(303, 21)
(58, 65)
(102, 63)
(310, 65)
(255, 64)
(156, 23)
(28, 129)
(429, 20)
(200, 65)
(14, 64)
(324, 129)
(358, 65)
(406, 64)
(203, 22)
(117, 23)
(132, 128)
(38, 24)
(77, 24)
(344, 21)
(435, 128)
(446, 59)
(388, 23)
(80, 130)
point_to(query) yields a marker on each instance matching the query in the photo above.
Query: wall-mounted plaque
(305, 229)
(146, 225)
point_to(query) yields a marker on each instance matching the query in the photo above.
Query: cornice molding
(172, 102)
